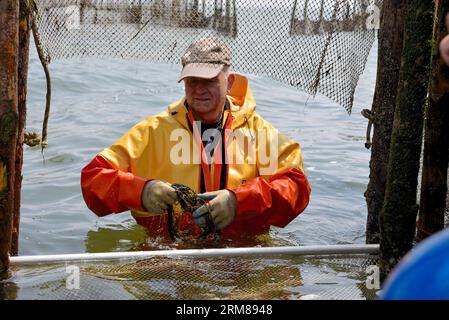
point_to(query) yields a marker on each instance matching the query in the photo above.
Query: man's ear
(231, 79)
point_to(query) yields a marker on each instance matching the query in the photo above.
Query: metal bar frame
(201, 253)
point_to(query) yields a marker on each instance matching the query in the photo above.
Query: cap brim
(200, 70)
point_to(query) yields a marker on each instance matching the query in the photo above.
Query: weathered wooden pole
(322, 11)
(293, 19)
(398, 216)
(348, 9)
(234, 18)
(436, 141)
(305, 15)
(24, 45)
(9, 38)
(389, 50)
(176, 10)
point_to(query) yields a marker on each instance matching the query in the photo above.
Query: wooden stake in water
(24, 45)
(436, 139)
(398, 217)
(382, 111)
(9, 35)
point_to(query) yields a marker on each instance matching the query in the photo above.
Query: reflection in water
(349, 274)
(115, 238)
(261, 277)
(187, 278)
(135, 238)
(8, 290)
(203, 278)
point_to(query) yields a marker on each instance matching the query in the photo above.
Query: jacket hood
(240, 97)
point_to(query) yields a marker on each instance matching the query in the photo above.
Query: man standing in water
(211, 141)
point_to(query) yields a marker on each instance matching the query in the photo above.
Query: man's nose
(200, 87)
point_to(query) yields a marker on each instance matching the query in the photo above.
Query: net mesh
(317, 45)
(170, 278)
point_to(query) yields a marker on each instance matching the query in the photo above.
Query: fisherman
(212, 141)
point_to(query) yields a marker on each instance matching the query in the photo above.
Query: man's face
(206, 97)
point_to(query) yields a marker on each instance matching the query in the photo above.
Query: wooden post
(175, 11)
(83, 5)
(227, 25)
(388, 64)
(398, 217)
(436, 141)
(320, 19)
(24, 45)
(234, 18)
(293, 19)
(9, 38)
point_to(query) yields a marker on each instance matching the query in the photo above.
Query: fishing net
(193, 278)
(319, 46)
(316, 45)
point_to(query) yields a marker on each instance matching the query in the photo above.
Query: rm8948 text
(231, 309)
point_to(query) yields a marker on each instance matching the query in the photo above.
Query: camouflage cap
(205, 58)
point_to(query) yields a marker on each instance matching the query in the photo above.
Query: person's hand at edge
(444, 49)
(222, 205)
(157, 195)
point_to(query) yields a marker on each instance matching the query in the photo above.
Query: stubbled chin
(202, 106)
(201, 102)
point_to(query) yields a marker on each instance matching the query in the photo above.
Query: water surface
(96, 100)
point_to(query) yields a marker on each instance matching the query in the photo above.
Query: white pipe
(203, 253)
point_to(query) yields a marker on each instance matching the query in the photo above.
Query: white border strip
(203, 253)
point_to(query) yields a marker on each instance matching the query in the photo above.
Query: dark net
(317, 45)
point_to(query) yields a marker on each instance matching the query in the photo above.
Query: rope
(45, 60)
(369, 115)
(31, 139)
